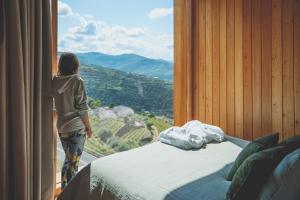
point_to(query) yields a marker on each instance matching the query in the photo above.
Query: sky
(143, 27)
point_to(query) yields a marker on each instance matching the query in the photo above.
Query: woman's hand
(86, 122)
(89, 132)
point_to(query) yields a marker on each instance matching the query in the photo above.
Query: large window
(126, 52)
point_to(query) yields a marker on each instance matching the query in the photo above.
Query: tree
(105, 134)
(94, 103)
(151, 115)
(118, 144)
(111, 105)
(149, 125)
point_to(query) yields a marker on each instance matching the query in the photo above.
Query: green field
(121, 134)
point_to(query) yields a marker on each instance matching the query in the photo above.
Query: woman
(72, 114)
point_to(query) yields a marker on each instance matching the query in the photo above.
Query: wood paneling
(180, 46)
(196, 62)
(216, 62)
(223, 69)
(276, 67)
(208, 65)
(297, 65)
(230, 68)
(54, 11)
(246, 64)
(202, 60)
(256, 67)
(288, 68)
(189, 59)
(266, 73)
(238, 68)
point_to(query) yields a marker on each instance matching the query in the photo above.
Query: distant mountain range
(133, 63)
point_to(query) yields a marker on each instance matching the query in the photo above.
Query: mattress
(158, 172)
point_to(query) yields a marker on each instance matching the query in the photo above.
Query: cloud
(87, 28)
(129, 32)
(160, 12)
(95, 35)
(64, 9)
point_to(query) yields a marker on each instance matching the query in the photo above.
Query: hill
(130, 63)
(115, 87)
(123, 133)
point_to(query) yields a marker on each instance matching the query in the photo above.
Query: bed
(158, 172)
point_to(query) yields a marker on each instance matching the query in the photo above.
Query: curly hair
(68, 64)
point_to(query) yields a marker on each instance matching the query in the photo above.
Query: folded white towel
(192, 135)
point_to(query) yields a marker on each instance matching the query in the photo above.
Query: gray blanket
(159, 172)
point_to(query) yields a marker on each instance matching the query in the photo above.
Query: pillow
(292, 142)
(284, 181)
(253, 147)
(254, 172)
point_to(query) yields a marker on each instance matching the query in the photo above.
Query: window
(126, 54)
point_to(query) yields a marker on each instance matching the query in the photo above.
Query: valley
(130, 99)
(141, 93)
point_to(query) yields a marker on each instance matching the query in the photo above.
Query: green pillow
(254, 172)
(292, 142)
(257, 145)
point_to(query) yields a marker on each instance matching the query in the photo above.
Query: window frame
(184, 84)
(54, 17)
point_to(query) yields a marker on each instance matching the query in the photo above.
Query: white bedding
(193, 135)
(157, 172)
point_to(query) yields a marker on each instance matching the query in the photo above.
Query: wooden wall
(237, 65)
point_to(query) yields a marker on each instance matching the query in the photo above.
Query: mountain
(130, 63)
(139, 92)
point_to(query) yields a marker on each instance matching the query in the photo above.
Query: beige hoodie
(70, 102)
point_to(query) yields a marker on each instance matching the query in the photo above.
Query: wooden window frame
(184, 86)
(54, 15)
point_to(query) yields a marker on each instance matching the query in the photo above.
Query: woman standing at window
(72, 114)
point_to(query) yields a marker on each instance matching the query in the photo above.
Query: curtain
(26, 137)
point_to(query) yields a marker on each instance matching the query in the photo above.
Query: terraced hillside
(128, 110)
(123, 133)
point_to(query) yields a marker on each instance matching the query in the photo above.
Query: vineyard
(124, 133)
(128, 110)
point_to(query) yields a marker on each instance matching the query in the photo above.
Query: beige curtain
(26, 140)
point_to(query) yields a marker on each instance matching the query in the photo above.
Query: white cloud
(130, 32)
(86, 28)
(160, 12)
(96, 35)
(64, 9)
